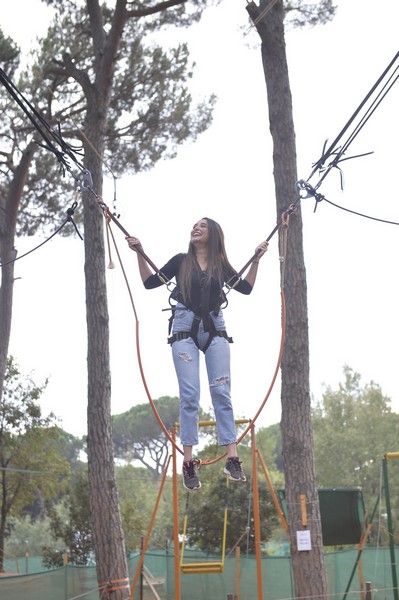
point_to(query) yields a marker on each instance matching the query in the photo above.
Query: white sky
(228, 175)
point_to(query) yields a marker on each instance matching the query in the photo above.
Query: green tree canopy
(205, 515)
(269, 442)
(137, 434)
(150, 112)
(69, 519)
(354, 427)
(32, 469)
(74, 528)
(137, 492)
(9, 53)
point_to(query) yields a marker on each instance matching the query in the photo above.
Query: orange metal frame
(210, 567)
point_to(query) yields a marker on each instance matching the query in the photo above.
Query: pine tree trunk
(8, 221)
(107, 529)
(300, 482)
(106, 520)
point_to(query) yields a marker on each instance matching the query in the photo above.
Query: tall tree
(96, 60)
(300, 480)
(9, 187)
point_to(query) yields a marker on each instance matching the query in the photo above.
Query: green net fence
(71, 582)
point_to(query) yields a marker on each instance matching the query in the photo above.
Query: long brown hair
(219, 267)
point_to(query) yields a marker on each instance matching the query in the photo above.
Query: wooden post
(255, 492)
(142, 571)
(361, 578)
(368, 590)
(237, 594)
(176, 543)
(390, 523)
(304, 512)
(65, 562)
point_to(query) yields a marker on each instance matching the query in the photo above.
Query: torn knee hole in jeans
(223, 380)
(184, 356)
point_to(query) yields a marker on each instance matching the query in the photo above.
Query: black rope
(359, 214)
(311, 191)
(304, 189)
(338, 151)
(42, 126)
(84, 179)
(69, 219)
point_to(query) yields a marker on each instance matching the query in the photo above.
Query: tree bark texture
(106, 521)
(300, 481)
(107, 529)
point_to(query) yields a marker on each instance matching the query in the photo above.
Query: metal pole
(390, 528)
(368, 590)
(147, 537)
(361, 546)
(272, 492)
(141, 571)
(237, 594)
(175, 520)
(255, 490)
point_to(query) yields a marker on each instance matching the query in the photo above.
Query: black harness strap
(193, 333)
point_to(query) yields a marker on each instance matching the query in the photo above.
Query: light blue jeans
(186, 357)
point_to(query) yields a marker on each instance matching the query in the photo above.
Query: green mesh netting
(70, 582)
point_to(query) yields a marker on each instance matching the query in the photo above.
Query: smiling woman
(198, 326)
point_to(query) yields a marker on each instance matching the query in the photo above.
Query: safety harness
(198, 311)
(193, 333)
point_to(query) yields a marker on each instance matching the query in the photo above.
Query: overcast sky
(228, 175)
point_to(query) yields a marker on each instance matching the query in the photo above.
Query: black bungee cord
(83, 179)
(337, 152)
(42, 127)
(47, 133)
(306, 189)
(69, 219)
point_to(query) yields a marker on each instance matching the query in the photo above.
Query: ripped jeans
(186, 357)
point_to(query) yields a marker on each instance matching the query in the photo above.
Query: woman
(198, 324)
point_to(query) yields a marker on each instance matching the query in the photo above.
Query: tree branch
(152, 10)
(97, 26)
(81, 77)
